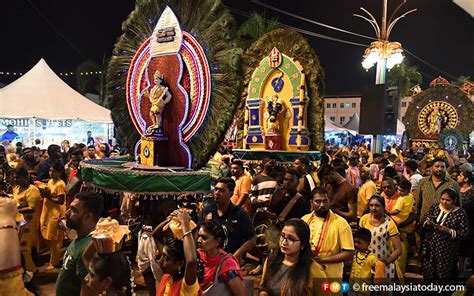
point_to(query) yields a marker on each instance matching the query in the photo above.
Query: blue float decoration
(277, 83)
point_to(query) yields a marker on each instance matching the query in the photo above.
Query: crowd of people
(355, 216)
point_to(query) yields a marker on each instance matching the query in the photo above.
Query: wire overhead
(312, 21)
(427, 63)
(347, 32)
(302, 31)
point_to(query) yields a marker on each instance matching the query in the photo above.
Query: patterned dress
(441, 250)
(467, 199)
(380, 244)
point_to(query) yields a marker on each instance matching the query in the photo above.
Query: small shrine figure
(415, 90)
(159, 96)
(436, 120)
(274, 107)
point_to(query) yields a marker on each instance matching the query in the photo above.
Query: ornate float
(441, 116)
(172, 92)
(283, 107)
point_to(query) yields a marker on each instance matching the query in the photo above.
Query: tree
(255, 27)
(462, 79)
(405, 77)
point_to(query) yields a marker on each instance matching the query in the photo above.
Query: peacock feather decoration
(213, 27)
(293, 45)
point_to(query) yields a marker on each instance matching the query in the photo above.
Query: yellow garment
(11, 284)
(29, 197)
(186, 290)
(50, 216)
(316, 277)
(366, 191)
(315, 176)
(402, 260)
(371, 158)
(363, 270)
(242, 187)
(338, 237)
(405, 205)
(53, 212)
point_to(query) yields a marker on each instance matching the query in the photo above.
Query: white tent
(330, 126)
(353, 124)
(42, 94)
(400, 127)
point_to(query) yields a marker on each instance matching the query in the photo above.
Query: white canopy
(330, 126)
(353, 124)
(41, 93)
(400, 127)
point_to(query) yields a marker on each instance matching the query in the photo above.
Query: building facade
(341, 108)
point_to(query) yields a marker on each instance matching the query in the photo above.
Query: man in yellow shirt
(331, 236)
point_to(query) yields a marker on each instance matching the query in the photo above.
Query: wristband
(187, 232)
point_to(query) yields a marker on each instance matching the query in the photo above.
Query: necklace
(357, 268)
(375, 222)
(361, 260)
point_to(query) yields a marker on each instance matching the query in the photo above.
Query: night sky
(440, 32)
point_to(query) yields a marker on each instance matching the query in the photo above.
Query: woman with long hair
(109, 275)
(54, 209)
(386, 243)
(443, 226)
(210, 242)
(290, 269)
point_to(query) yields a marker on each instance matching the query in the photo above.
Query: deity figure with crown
(436, 121)
(274, 107)
(159, 96)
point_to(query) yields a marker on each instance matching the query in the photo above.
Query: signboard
(56, 131)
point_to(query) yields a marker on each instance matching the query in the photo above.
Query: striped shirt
(427, 194)
(262, 188)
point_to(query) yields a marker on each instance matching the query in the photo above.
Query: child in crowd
(364, 263)
(404, 215)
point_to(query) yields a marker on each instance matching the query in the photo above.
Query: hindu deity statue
(274, 107)
(159, 96)
(435, 121)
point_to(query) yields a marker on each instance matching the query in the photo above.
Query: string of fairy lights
(60, 74)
